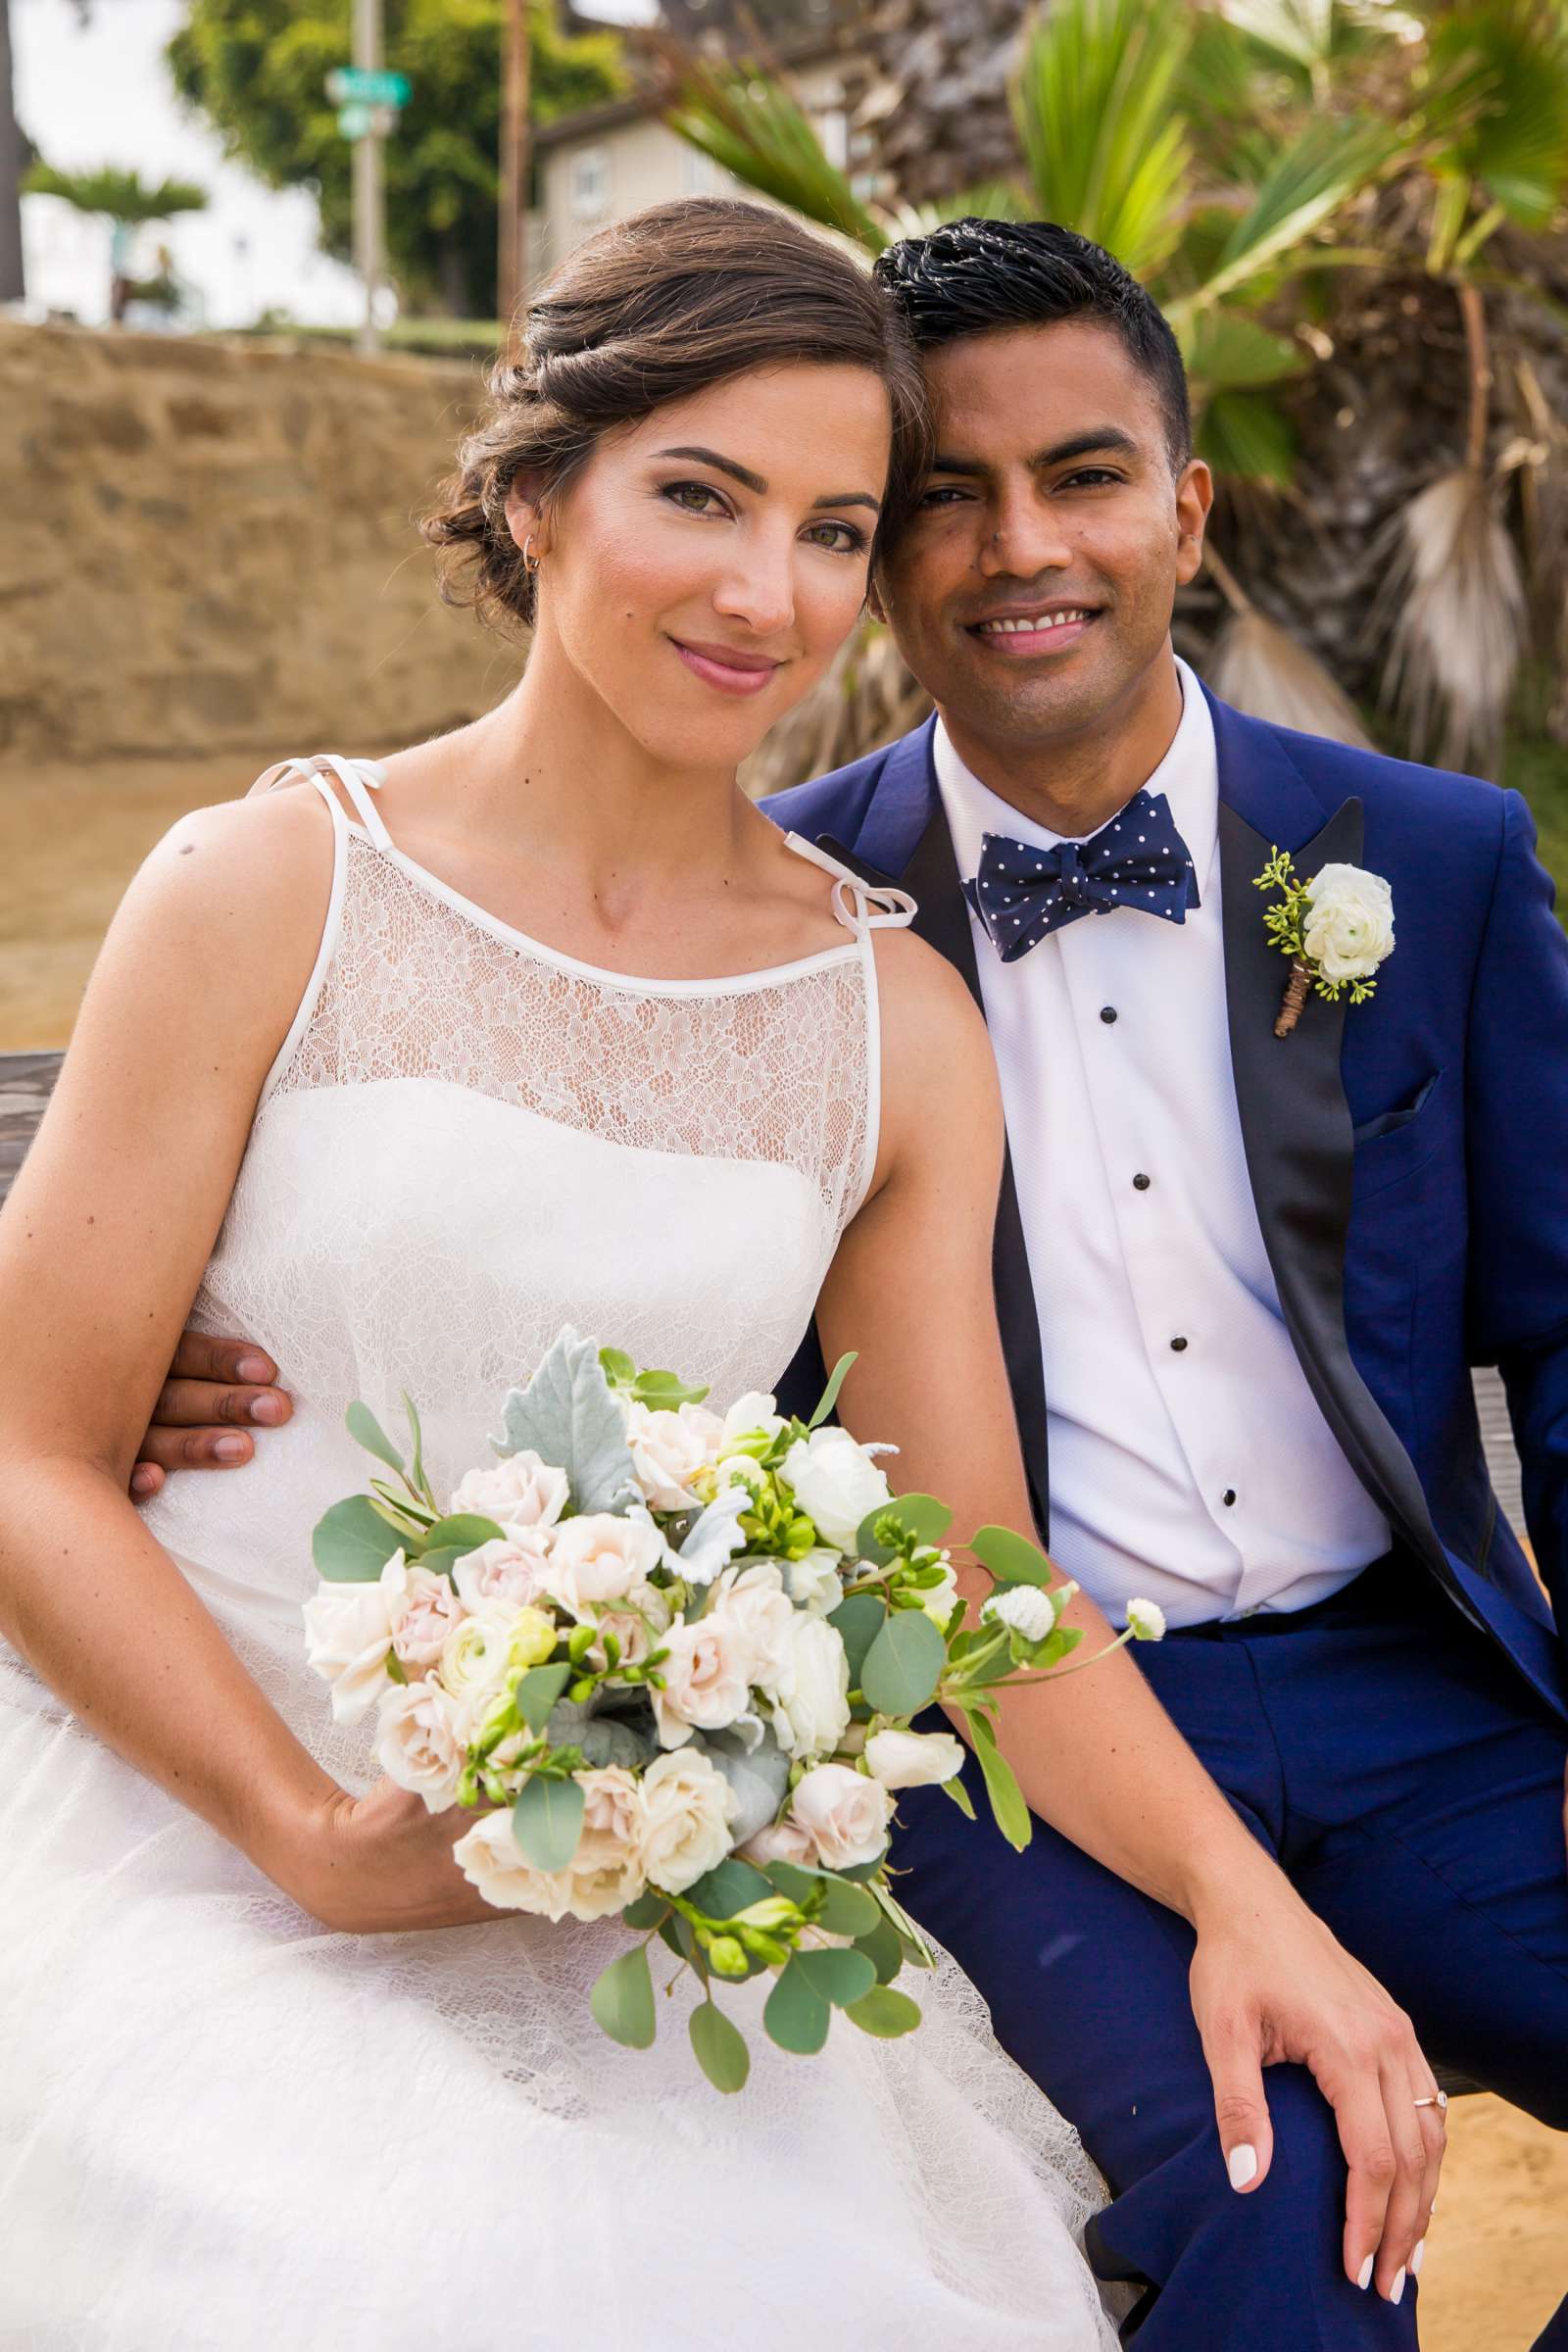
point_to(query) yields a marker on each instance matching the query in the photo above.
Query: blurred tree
(258, 70)
(127, 202)
(12, 163)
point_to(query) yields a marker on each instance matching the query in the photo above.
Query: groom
(1240, 1281)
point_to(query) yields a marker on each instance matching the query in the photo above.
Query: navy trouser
(1411, 1785)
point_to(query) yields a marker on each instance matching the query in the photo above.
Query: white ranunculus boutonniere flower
(1337, 929)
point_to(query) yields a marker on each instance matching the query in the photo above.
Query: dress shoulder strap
(359, 778)
(861, 906)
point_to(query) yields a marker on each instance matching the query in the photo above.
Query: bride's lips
(722, 667)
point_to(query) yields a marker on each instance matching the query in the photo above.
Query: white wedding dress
(222, 2124)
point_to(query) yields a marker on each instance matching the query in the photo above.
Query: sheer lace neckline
(708, 984)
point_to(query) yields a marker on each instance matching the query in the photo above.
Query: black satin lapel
(856, 863)
(931, 878)
(1296, 1125)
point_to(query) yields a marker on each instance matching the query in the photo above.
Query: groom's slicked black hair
(972, 277)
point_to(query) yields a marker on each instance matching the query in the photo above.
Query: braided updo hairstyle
(653, 308)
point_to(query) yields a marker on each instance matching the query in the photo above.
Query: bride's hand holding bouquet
(671, 1660)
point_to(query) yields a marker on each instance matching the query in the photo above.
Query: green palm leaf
(1107, 150)
(116, 194)
(752, 128)
(1318, 174)
(1497, 106)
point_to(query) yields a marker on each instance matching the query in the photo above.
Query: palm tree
(127, 202)
(1241, 157)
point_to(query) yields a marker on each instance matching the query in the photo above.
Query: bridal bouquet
(669, 1658)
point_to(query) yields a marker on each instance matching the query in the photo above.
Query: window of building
(590, 183)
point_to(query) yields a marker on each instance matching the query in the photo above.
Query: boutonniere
(1336, 928)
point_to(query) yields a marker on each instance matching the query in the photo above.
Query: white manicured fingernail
(1398, 2288)
(1363, 2277)
(1418, 2257)
(1243, 2164)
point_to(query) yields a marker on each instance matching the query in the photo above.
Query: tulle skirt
(224, 2125)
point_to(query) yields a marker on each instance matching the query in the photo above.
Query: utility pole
(369, 196)
(12, 288)
(512, 256)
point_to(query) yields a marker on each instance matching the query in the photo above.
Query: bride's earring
(530, 562)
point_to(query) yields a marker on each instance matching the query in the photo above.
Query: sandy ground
(70, 839)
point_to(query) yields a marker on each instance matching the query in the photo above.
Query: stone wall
(212, 544)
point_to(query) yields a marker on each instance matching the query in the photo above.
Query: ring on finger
(1437, 2099)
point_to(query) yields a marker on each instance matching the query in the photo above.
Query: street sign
(358, 122)
(355, 85)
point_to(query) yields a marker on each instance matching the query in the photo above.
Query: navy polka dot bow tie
(1023, 893)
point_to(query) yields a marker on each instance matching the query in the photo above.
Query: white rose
(845, 1813)
(491, 1859)
(422, 1619)
(669, 1449)
(418, 1743)
(348, 1632)
(707, 1678)
(914, 1759)
(813, 1714)
(780, 1842)
(1024, 1609)
(687, 1810)
(520, 1492)
(753, 1602)
(510, 1567)
(748, 1415)
(815, 1581)
(476, 1658)
(600, 1557)
(607, 1870)
(835, 1481)
(1350, 922)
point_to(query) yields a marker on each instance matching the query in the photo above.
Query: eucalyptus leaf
(885, 2012)
(883, 1947)
(904, 1664)
(797, 2017)
(1011, 1558)
(830, 1394)
(847, 1910)
(537, 1692)
(720, 2047)
(464, 1533)
(609, 1740)
(758, 1781)
(547, 1822)
(353, 1542)
(623, 2002)
(650, 1910)
(678, 1936)
(664, 1392)
(857, 1622)
(366, 1431)
(839, 1977)
(570, 1417)
(733, 1886)
(444, 1558)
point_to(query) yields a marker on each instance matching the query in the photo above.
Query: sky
(100, 93)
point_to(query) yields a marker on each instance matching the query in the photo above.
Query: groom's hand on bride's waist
(218, 1392)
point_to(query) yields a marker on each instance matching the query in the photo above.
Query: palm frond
(1245, 435)
(1092, 99)
(1453, 604)
(754, 128)
(993, 199)
(1318, 174)
(1497, 104)
(1260, 667)
(116, 194)
(1301, 31)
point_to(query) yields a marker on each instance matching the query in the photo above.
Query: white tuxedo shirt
(1189, 1461)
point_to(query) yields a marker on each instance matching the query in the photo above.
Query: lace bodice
(468, 1140)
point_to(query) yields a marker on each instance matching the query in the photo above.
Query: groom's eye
(942, 493)
(1093, 475)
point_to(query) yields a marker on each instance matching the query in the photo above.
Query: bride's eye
(848, 540)
(695, 497)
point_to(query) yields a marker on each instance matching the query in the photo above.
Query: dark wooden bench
(25, 1080)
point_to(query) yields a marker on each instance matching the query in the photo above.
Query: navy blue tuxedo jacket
(1408, 1158)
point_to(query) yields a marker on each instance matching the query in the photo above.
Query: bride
(401, 1069)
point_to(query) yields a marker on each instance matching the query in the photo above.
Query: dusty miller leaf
(569, 1417)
